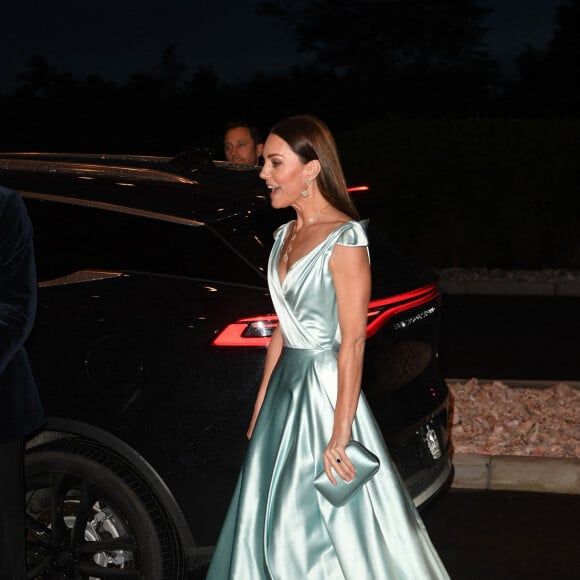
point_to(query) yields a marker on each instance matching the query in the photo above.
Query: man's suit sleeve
(17, 276)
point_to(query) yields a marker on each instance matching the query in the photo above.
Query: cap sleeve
(353, 234)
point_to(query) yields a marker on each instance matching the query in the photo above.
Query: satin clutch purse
(366, 465)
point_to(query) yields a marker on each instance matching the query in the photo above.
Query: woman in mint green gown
(309, 404)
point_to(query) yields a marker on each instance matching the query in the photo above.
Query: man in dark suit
(20, 407)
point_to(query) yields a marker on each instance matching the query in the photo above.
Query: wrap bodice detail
(305, 301)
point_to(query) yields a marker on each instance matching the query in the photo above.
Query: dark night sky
(116, 38)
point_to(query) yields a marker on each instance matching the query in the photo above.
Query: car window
(252, 234)
(74, 237)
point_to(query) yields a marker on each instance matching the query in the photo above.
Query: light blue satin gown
(278, 526)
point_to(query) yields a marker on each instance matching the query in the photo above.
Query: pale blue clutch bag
(366, 465)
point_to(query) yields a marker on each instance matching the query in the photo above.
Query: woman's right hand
(272, 355)
(251, 427)
(256, 413)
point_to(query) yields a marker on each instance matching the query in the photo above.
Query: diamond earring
(305, 192)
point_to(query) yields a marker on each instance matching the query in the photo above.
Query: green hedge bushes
(474, 192)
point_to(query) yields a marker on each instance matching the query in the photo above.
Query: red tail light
(381, 311)
(358, 188)
(248, 332)
(257, 331)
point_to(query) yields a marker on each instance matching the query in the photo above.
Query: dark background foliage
(467, 167)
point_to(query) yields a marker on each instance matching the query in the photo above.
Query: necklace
(312, 219)
(289, 246)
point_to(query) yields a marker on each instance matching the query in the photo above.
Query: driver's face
(239, 147)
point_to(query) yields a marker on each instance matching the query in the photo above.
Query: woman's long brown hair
(311, 139)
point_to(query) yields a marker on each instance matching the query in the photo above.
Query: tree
(550, 79)
(41, 79)
(402, 54)
(171, 70)
(564, 56)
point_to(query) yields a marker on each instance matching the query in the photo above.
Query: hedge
(474, 192)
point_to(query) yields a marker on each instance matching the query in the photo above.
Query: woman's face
(283, 172)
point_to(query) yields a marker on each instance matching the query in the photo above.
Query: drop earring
(305, 192)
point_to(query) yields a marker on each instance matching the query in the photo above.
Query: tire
(89, 516)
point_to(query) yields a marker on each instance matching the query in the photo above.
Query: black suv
(148, 347)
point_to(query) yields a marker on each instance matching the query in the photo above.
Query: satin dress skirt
(279, 527)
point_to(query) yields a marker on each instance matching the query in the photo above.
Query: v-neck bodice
(305, 299)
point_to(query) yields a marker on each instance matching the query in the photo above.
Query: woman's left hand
(335, 457)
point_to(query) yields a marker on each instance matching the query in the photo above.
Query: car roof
(190, 187)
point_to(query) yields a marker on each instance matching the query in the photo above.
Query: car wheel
(89, 515)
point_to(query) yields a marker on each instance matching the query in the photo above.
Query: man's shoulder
(13, 212)
(10, 200)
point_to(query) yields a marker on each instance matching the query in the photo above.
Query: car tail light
(358, 188)
(248, 332)
(381, 311)
(257, 331)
